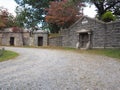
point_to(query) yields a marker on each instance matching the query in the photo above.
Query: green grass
(114, 53)
(8, 55)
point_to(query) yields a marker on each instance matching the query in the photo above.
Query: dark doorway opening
(12, 41)
(40, 41)
(84, 38)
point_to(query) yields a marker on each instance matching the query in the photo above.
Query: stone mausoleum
(91, 33)
(36, 38)
(84, 34)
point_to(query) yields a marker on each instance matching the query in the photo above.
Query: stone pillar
(78, 41)
(88, 46)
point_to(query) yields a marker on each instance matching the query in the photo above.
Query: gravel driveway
(45, 69)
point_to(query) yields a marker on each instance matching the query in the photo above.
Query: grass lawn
(114, 53)
(8, 55)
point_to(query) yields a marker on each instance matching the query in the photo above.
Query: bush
(16, 29)
(108, 16)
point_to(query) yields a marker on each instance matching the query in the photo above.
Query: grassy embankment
(8, 55)
(114, 53)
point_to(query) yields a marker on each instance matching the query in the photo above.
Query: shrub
(16, 29)
(108, 16)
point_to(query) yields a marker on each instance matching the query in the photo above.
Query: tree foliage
(3, 18)
(6, 19)
(31, 13)
(62, 14)
(108, 16)
(104, 6)
(107, 5)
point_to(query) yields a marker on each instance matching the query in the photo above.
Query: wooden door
(84, 38)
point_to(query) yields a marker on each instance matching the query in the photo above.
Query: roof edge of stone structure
(83, 18)
(40, 31)
(117, 21)
(99, 21)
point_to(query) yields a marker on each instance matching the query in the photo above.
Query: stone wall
(23, 38)
(40, 34)
(5, 38)
(71, 36)
(55, 41)
(26, 39)
(113, 35)
(102, 34)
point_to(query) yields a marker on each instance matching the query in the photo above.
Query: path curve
(45, 69)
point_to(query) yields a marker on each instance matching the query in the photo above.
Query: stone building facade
(91, 33)
(55, 41)
(85, 33)
(24, 38)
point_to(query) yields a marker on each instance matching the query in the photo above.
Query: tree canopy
(31, 12)
(62, 14)
(104, 5)
(107, 5)
(6, 19)
(108, 16)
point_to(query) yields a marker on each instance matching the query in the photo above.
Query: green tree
(62, 14)
(6, 19)
(31, 13)
(104, 6)
(108, 16)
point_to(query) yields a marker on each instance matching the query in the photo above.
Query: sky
(90, 11)
(11, 5)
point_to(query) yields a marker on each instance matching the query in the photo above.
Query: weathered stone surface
(23, 38)
(100, 35)
(40, 34)
(103, 35)
(5, 39)
(55, 41)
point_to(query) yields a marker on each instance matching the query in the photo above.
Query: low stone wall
(112, 38)
(5, 38)
(55, 41)
(26, 38)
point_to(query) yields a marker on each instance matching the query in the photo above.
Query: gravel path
(43, 69)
